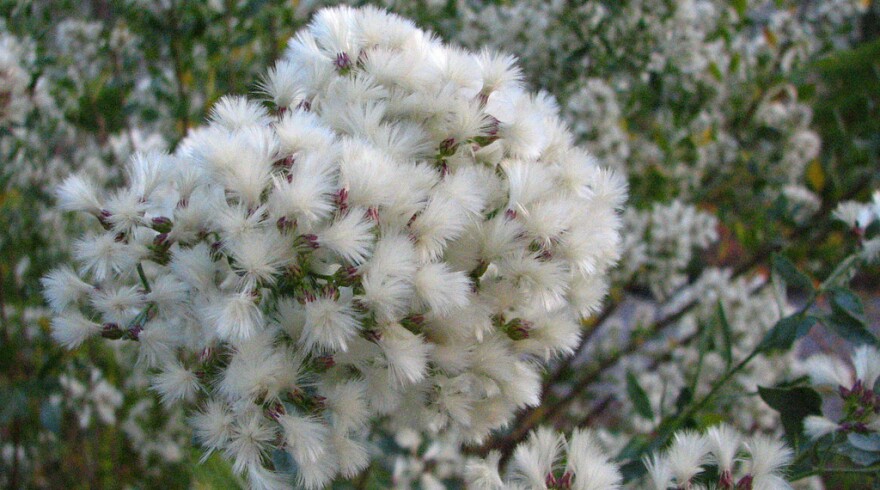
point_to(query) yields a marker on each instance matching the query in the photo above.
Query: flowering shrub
(272, 270)
(399, 264)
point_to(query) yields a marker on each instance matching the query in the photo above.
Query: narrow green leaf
(638, 397)
(740, 6)
(726, 335)
(788, 272)
(786, 331)
(793, 405)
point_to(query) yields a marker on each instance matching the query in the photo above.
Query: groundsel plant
(720, 458)
(405, 231)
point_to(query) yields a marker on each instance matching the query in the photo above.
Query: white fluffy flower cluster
(659, 243)
(537, 463)
(755, 462)
(410, 233)
(857, 388)
(547, 461)
(14, 81)
(863, 219)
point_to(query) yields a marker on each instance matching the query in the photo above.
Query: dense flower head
(547, 460)
(407, 231)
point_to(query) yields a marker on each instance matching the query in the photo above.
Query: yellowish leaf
(770, 37)
(816, 175)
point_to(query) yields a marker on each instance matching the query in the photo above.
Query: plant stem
(143, 277)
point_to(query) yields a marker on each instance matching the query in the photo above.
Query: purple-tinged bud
(843, 391)
(745, 483)
(216, 249)
(373, 214)
(161, 240)
(295, 270)
(304, 106)
(349, 273)
(307, 297)
(311, 240)
(342, 62)
(330, 291)
(275, 411)
(161, 224)
(565, 480)
(373, 335)
(104, 219)
(205, 354)
(725, 480)
(858, 388)
(342, 200)
(359, 305)
(285, 225)
(134, 332)
(494, 125)
(550, 480)
(447, 146)
(510, 214)
(111, 331)
(323, 363)
(320, 402)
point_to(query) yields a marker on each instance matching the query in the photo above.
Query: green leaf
(740, 6)
(13, 403)
(715, 71)
(847, 302)
(847, 317)
(726, 336)
(284, 463)
(793, 405)
(873, 230)
(684, 398)
(865, 442)
(638, 397)
(788, 272)
(213, 473)
(786, 331)
(633, 470)
(50, 417)
(859, 456)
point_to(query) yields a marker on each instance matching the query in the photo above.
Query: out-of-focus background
(739, 124)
